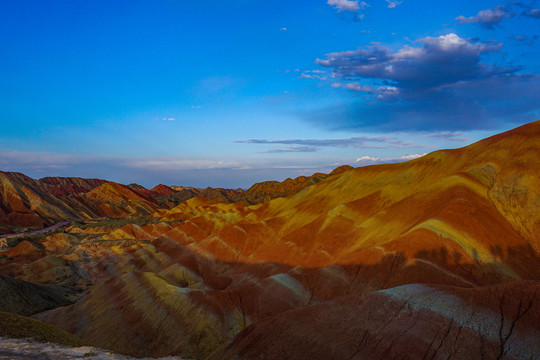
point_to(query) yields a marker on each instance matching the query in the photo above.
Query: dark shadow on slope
(25, 298)
(226, 297)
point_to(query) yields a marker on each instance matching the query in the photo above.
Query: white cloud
(179, 163)
(313, 74)
(168, 119)
(358, 87)
(487, 18)
(411, 156)
(346, 5)
(354, 86)
(367, 158)
(435, 83)
(371, 159)
(435, 62)
(387, 92)
(382, 92)
(392, 3)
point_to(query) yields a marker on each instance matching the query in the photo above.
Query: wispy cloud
(534, 13)
(529, 8)
(13, 159)
(171, 170)
(354, 86)
(488, 18)
(293, 149)
(314, 74)
(180, 163)
(525, 40)
(449, 136)
(393, 3)
(168, 119)
(361, 142)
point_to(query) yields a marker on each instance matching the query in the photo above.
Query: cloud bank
(488, 18)
(437, 62)
(437, 83)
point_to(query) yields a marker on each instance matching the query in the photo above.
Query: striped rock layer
(433, 258)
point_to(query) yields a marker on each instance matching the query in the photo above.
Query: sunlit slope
(475, 205)
(24, 203)
(27, 202)
(117, 200)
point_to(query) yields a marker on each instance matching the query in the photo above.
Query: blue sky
(228, 93)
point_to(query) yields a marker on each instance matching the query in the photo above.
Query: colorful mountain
(27, 202)
(23, 202)
(68, 186)
(163, 190)
(268, 190)
(437, 257)
(117, 200)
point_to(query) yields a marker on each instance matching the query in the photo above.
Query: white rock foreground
(13, 349)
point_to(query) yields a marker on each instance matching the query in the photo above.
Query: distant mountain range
(27, 202)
